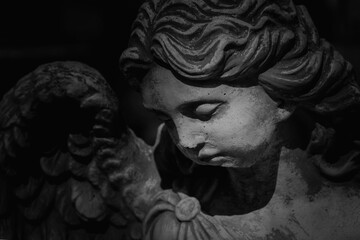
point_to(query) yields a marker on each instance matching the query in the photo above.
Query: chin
(220, 161)
(229, 165)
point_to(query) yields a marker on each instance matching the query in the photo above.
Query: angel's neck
(254, 187)
(284, 163)
(293, 176)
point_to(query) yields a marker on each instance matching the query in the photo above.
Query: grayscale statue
(259, 141)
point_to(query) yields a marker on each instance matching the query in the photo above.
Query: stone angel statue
(264, 116)
(260, 136)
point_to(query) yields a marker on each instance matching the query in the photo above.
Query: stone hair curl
(271, 41)
(224, 40)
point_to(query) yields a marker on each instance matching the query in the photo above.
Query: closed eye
(203, 111)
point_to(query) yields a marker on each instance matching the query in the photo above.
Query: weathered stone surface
(69, 167)
(264, 114)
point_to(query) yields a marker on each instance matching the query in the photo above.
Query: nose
(191, 140)
(188, 136)
(190, 145)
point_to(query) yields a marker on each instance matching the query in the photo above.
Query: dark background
(96, 32)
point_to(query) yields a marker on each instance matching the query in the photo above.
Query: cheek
(244, 128)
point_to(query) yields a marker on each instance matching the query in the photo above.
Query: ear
(285, 110)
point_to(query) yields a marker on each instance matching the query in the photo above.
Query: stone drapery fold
(176, 216)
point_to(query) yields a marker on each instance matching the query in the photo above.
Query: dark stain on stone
(277, 234)
(310, 174)
(288, 199)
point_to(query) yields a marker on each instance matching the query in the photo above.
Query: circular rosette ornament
(178, 216)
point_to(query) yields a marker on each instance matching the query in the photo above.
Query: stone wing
(64, 152)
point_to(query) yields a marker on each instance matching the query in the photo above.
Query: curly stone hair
(272, 42)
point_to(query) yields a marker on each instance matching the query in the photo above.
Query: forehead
(161, 89)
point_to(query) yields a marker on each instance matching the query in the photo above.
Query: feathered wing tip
(56, 126)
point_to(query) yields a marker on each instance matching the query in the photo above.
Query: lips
(206, 154)
(221, 161)
(211, 156)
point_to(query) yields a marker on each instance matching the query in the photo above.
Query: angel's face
(220, 125)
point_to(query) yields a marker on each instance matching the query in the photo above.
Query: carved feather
(56, 126)
(55, 165)
(37, 208)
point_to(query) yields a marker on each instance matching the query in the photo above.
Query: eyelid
(206, 108)
(201, 110)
